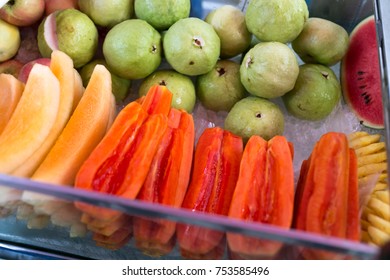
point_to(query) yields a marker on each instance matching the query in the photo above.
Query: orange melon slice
(62, 67)
(32, 119)
(78, 89)
(10, 92)
(83, 132)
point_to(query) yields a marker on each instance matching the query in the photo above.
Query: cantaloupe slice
(84, 131)
(62, 67)
(32, 119)
(10, 92)
(78, 89)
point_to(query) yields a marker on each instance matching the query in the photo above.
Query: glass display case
(28, 235)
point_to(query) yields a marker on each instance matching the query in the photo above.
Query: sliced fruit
(360, 75)
(214, 176)
(62, 67)
(11, 66)
(78, 90)
(11, 90)
(120, 163)
(166, 183)
(32, 120)
(82, 133)
(264, 193)
(26, 69)
(327, 200)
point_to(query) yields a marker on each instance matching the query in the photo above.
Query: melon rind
(362, 90)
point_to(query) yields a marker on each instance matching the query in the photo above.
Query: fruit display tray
(18, 241)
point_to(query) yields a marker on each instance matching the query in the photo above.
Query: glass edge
(134, 207)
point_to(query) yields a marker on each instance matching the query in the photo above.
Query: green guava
(161, 14)
(255, 116)
(191, 46)
(132, 49)
(321, 41)
(70, 31)
(120, 86)
(279, 21)
(180, 85)
(221, 88)
(269, 69)
(315, 94)
(107, 13)
(229, 23)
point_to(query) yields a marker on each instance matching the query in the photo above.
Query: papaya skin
(214, 176)
(264, 193)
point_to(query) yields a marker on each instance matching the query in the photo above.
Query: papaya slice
(214, 176)
(166, 183)
(264, 193)
(82, 133)
(62, 67)
(120, 163)
(11, 90)
(157, 100)
(327, 199)
(31, 120)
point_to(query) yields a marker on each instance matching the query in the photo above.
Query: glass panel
(122, 229)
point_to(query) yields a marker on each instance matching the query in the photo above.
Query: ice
(303, 134)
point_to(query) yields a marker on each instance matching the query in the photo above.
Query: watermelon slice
(360, 75)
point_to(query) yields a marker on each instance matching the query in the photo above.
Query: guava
(221, 88)
(191, 46)
(229, 23)
(180, 85)
(161, 14)
(120, 86)
(315, 94)
(269, 69)
(107, 13)
(321, 41)
(255, 116)
(132, 49)
(10, 40)
(279, 21)
(70, 31)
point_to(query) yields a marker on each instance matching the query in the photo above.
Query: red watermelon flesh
(360, 75)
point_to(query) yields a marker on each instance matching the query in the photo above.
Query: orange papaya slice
(123, 171)
(120, 163)
(157, 100)
(264, 193)
(214, 176)
(166, 183)
(327, 196)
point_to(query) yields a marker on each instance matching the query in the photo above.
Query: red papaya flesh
(360, 75)
(327, 200)
(120, 163)
(157, 101)
(264, 193)
(166, 183)
(215, 171)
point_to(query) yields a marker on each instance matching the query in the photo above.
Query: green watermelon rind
(370, 115)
